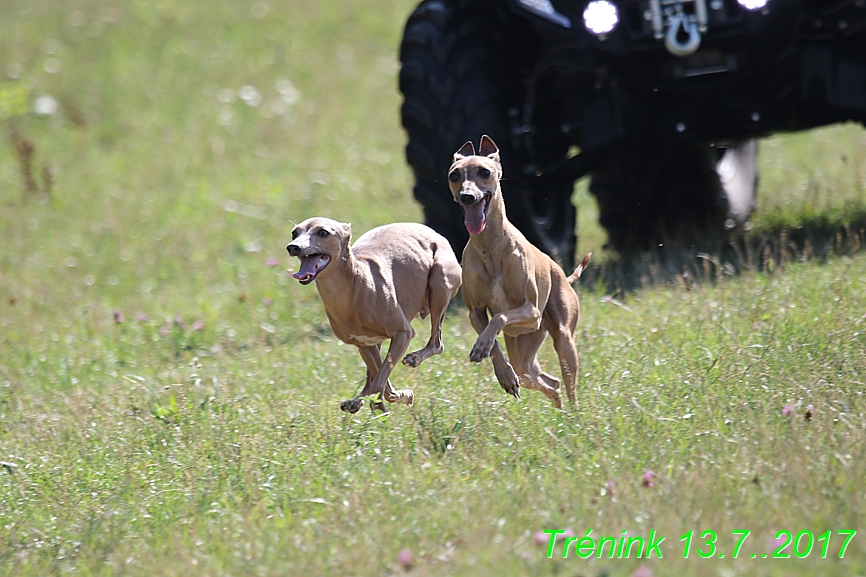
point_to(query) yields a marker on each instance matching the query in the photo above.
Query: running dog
(373, 289)
(526, 293)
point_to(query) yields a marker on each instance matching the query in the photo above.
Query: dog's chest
(498, 298)
(354, 332)
(359, 336)
(367, 341)
(491, 292)
(486, 279)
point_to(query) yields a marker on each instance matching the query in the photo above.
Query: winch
(680, 23)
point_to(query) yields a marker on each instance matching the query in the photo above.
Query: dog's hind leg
(550, 380)
(569, 362)
(522, 350)
(439, 293)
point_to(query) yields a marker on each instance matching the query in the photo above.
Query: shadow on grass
(766, 249)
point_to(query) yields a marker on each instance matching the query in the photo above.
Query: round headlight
(601, 17)
(753, 4)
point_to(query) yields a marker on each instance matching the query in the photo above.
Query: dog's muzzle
(311, 266)
(474, 210)
(467, 199)
(311, 263)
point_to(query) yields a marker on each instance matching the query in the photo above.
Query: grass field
(169, 396)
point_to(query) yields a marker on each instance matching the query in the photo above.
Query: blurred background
(156, 144)
(160, 151)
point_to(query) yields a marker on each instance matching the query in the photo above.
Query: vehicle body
(661, 110)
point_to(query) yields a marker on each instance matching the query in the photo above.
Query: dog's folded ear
(467, 149)
(489, 149)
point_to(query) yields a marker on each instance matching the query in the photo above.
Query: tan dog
(524, 290)
(373, 290)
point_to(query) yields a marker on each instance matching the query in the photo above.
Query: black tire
(658, 195)
(461, 75)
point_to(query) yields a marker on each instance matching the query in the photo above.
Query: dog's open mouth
(311, 266)
(475, 215)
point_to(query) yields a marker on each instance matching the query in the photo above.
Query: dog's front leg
(373, 359)
(381, 384)
(501, 367)
(525, 316)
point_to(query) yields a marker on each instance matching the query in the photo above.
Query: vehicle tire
(652, 196)
(460, 77)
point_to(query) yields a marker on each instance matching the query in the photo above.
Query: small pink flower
(141, 318)
(266, 302)
(787, 410)
(642, 571)
(197, 326)
(178, 320)
(569, 532)
(541, 539)
(163, 331)
(404, 557)
(647, 479)
(777, 542)
(272, 262)
(118, 318)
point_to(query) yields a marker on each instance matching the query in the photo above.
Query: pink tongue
(308, 266)
(474, 217)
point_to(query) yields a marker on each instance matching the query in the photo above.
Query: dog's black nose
(467, 199)
(293, 250)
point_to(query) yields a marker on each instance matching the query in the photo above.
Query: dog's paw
(507, 379)
(351, 406)
(408, 397)
(480, 351)
(413, 359)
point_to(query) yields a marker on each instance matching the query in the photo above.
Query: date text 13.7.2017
(705, 544)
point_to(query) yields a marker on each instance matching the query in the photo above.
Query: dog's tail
(580, 268)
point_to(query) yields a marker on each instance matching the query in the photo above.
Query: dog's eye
(323, 233)
(294, 234)
(454, 176)
(483, 172)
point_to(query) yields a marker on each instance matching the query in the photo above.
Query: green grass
(813, 176)
(201, 433)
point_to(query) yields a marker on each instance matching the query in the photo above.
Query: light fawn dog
(373, 289)
(526, 293)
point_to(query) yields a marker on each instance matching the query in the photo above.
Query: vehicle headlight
(753, 4)
(601, 16)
